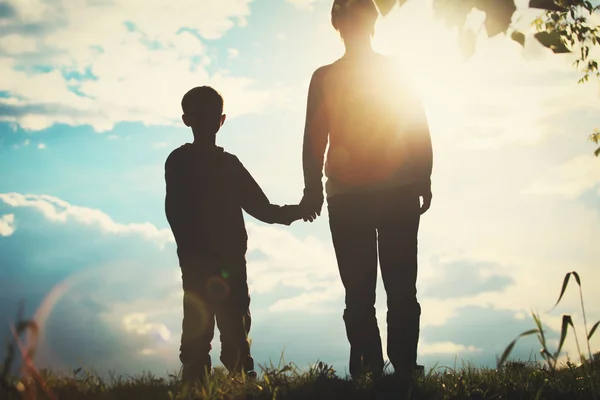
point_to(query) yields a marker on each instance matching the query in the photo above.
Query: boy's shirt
(207, 188)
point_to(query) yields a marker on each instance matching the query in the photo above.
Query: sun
(456, 91)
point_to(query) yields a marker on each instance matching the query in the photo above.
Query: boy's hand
(293, 213)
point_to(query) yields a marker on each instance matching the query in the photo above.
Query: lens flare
(199, 306)
(217, 288)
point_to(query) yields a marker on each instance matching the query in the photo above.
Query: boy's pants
(361, 225)
(214, 290)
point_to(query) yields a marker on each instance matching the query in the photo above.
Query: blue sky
(89, 111)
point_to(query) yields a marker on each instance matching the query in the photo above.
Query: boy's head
(354, 17)
(203, 110)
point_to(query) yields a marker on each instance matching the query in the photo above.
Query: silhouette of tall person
(378, 169)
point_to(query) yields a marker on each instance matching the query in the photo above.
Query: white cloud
(137, 323)
(41, 146)
(58, 210)
(160, 145)
(570, 179)
(304, 4)
(17, 44)
(286, 260)
(140, 71)
(233, 53)
(7, 225)
(446, 348)
(310, 302)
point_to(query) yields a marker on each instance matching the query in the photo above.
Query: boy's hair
(203, 103)
(343, 8)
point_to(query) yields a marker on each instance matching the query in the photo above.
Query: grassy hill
(515, 380)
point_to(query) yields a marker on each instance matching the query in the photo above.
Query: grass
(516, 380)
(548, 379)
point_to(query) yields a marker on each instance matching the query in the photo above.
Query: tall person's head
(354, 19)
(203, 110)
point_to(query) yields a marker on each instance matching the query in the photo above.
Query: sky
(90, 109)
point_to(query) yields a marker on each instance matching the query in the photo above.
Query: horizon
(88, 120)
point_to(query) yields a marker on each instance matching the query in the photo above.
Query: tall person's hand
(312, 203)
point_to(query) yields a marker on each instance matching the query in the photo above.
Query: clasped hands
(311, 204)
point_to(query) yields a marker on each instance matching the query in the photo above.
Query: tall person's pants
(363, 225)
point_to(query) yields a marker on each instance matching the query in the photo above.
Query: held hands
(311, 204)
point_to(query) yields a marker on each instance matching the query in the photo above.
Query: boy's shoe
(193, 374)
(248, 375)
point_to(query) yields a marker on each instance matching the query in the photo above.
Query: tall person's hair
(362, 14)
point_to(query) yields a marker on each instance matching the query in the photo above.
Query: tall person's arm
(316, 132)
(421, 150)
(413, 120)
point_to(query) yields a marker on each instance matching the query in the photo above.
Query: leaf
(597, 152)
(552, 41)
(511, 345)
(549, 5)
(593, 328)
(385, 6)
(562, 291)
(498, 15)
(576, 275)
(566, 321)
(518, 37)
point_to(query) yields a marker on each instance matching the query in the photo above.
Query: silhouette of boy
(206, 191)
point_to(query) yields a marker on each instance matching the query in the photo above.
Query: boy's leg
(398, 228)
(355, 242)
(197, 328)
(234, 322)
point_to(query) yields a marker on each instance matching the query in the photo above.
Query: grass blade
(511, 345)
(564, 287)
(566, 321)
(506, 353)
(593, 330)
(576, 275)
(538, 322)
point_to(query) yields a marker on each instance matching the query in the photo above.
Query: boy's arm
(316, 132)
(254, 201)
